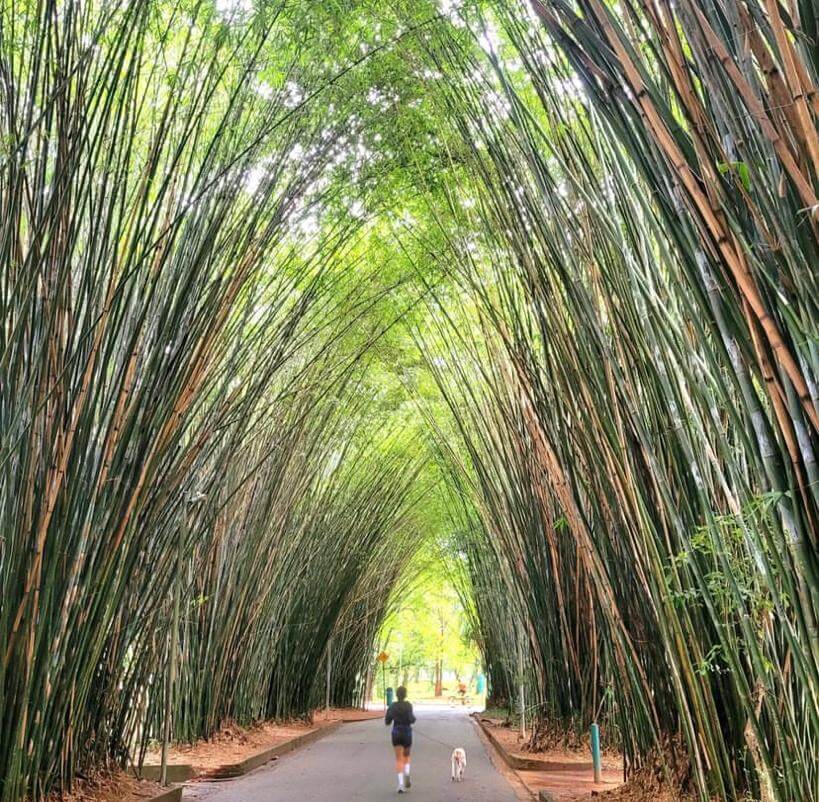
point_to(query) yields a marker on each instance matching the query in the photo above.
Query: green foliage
(427, 627)
(456, 328)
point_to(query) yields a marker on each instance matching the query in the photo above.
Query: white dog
(458, 764)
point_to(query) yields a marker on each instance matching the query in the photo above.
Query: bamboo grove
(640, 414)
(192, 500)
(243, 244)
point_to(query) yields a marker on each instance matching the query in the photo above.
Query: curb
(498, 762)
(182, 772)
(231, 770)
(171, 795)
(530, 764)
(177, 773)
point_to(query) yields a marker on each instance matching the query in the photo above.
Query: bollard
(389, 696)
(595, 747)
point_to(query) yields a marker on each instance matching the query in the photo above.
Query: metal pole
(172, 657)
(329, 670)
(595, 747)
(384, 682)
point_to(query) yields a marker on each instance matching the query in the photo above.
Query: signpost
(382, 658)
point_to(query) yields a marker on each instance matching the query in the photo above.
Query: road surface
(356, 763)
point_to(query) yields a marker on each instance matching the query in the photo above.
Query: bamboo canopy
(643, 432)
(291, 291)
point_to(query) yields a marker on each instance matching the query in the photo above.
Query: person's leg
(399, 765)
(407, 780)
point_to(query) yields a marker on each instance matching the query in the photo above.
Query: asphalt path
(356, 763)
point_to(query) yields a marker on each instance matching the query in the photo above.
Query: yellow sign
(383, 657)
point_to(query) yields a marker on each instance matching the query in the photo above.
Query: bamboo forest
(304, 302)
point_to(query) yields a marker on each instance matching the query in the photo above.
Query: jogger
(400, 715)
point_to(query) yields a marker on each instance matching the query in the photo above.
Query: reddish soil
(347, 714)
(233, 744)
(572, 786)
(577, 785)
(118, 786)
(567, 783)
(510, 738)
(630, 793)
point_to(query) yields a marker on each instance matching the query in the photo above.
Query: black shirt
(400, 714)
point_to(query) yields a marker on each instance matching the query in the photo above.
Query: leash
(436, 740)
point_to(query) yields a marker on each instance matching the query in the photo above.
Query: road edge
(168, 795)
(496, 758)
(231, 771)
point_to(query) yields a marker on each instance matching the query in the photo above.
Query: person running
(400, 715)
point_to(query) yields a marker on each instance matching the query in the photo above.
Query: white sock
(400, 779)
(406, 769)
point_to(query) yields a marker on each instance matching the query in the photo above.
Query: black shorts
(402, 736)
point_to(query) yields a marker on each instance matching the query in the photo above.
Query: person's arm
(411, 715)
(388, 716)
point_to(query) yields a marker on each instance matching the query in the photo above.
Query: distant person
(400, 715)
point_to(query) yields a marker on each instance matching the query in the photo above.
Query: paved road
(355, 763)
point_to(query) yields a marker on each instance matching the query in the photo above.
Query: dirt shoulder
(567, 775)
(234, 744)
(570, 777)
(114, 786)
